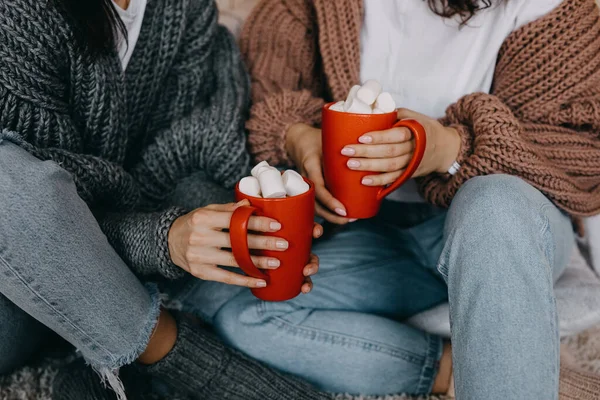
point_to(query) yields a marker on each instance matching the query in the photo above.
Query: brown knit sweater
(541, 122)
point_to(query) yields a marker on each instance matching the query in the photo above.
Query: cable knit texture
(202, 366)
(127, 138)
(541, 122)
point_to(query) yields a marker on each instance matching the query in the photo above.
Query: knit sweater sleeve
(201, 114)
(279, 43)
(543, 121)
(141, 240)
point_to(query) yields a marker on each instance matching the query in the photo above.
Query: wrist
(172, 240)
(450, 146)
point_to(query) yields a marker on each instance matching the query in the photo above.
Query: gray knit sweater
(127, 138)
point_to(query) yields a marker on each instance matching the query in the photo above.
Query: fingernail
(367, 181)
(275, 226)
(353, 164)
(353, 220)
(348, 151)
(281, 244)
(365, 139)
(341, 212)
(319, 232)
(273, 263)
(261, 284)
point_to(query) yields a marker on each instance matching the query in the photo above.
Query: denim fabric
(494, 256)
(57, 267)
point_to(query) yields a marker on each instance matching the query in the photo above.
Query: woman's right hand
(198, 243)
(303, 144)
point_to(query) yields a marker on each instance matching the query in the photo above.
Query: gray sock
(203, 367)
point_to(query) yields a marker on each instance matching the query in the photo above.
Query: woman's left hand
(390, 151)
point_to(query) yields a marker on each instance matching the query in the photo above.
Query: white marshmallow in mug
(353, 91)
(339, 106)
(250, 186)
(271, 184)
(355, 106)
(369, 91)
(255, 171)
(293, 183)
(385, 102)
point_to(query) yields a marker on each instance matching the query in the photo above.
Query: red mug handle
(420, 137)
(238, 231)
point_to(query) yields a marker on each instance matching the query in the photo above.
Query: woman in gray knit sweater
(116, 119)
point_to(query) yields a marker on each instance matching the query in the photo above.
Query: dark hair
(96, 21)
(464, 9)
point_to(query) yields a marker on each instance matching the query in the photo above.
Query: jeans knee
(496, 225)
(251, 325)
(497, 203)
(25, 178)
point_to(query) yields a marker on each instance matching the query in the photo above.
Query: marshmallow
(255, 171)
(385, 102)
(356, 106)
(353, 91)
(250, 186)
(339, 106)
(369, 91)
(293, 183)
(378, 111)
(271, 184)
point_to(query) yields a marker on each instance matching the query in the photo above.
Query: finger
(317, 231)
(259, 242)
(312, 267)
(219, 220)
(216, 274)
(315, 173)
(381, 179)
(326, 199)
(263, 224)
(307, 286)
(388, 136)
(225, 258)
(223, 240)
(313, 170)
(378, 150)
(229, 207)
(379, 164)
(329, 216)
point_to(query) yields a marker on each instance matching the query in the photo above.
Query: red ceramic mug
(340, 129)
(296, 215)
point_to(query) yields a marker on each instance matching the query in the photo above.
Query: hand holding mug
(198, 244)
(389, 151)
(303, 144)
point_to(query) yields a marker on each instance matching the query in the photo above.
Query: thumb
(405, 113)
(240, 203)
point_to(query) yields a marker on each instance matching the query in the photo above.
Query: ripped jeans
(58, 271)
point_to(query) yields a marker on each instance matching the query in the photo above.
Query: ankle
(444, 379)
(162, 340)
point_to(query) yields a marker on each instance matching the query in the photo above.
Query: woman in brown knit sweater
(509, 95)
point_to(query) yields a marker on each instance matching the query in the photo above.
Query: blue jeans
(58, 271)
(494, 255)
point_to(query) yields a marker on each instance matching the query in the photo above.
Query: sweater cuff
(466, 142)
(165, 265)
(271, 118)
